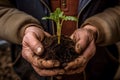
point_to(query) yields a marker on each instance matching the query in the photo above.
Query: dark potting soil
(64, 52)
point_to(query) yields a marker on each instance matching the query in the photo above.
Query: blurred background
(6, 70)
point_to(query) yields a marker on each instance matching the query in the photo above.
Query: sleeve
(13, 22)
(107, 24)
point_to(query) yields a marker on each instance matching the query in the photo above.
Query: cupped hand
(85, 46)
(33, 48)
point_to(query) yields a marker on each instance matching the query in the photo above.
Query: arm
(107, 24)
(101, 29)
(13, 22)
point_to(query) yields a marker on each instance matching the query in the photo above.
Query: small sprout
(58, 17)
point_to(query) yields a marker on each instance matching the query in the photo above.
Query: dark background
(6, 70)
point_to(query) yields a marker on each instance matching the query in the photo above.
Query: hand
(33, 48)
(85, 46)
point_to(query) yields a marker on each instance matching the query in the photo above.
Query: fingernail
(39, 50)
(62, 72)
(56, 63)
(79, 49)
(78, 46)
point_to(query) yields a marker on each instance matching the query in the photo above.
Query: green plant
(58, 17)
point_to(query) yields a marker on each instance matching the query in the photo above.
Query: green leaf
(71, 18)
(58, 17)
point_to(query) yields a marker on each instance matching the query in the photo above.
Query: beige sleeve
(107, 24)
(13, 22)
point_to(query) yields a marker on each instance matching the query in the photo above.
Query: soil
(64, 52)
(6, 70)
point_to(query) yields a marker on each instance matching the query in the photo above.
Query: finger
(75, 71)
(81, 45)
(44, 72)
(90, 50)
(48, 63)
(83, 59)
(81, 39)
(34, 43)
(47, 34)
(37, 61)
(75, 36)
(80, 61)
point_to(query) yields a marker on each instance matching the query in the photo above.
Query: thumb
(33, 42)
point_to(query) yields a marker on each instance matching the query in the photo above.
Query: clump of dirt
(64, 52)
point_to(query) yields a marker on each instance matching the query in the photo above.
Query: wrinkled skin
(32, 49)
(85, 45)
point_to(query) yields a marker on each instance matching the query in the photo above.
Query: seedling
(58, 17)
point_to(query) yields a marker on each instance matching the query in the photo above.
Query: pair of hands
(33, 48)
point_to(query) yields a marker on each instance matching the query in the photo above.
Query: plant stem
(58, 31)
